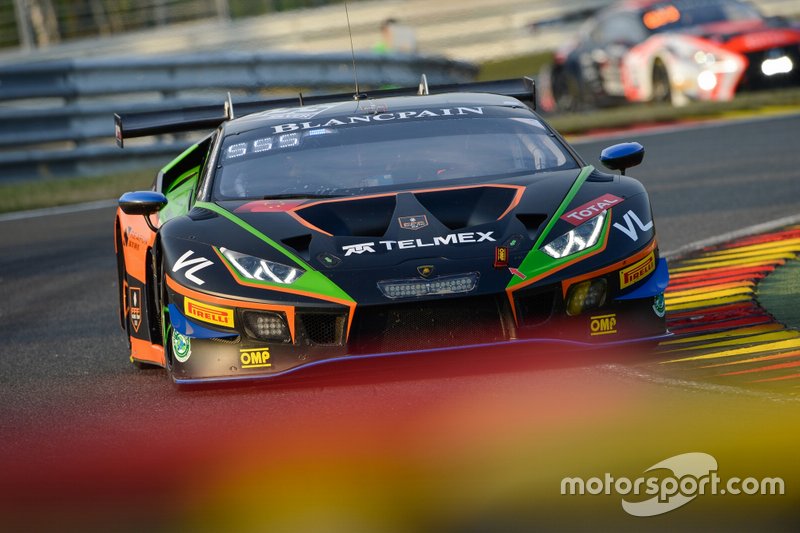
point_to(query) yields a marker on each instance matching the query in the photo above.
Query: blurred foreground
(456, 443)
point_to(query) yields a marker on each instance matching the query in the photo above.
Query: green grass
(761, 103)
(514, 67)
(53, 192)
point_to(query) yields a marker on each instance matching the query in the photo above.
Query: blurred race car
(671, 51)
(413, 220)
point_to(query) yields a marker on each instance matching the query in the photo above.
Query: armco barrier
(56, 116)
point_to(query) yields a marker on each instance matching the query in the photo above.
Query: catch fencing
(56, 117)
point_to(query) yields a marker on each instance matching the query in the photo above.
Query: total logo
(467, 237)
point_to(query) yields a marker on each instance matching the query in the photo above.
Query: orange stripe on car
(187, 292)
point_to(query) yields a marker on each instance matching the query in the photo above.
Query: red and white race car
(671, 51)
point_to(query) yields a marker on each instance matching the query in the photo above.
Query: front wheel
(566, 92)
(662, 88)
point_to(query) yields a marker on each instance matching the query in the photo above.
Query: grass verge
(50, 193)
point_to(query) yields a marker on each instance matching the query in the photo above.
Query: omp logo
(637, 271)
(628, 229)
(359, 248)
(603, 325)
(208, 313)
(680, 479)
(254, 358)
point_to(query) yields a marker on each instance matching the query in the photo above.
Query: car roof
(327, 111)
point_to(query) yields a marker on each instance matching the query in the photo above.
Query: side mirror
(142, 202)
(622, 156)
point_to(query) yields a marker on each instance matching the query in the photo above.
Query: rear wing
(146, 123)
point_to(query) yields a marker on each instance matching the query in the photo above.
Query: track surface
(72, 408)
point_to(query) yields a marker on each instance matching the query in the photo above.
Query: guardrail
(56, 116)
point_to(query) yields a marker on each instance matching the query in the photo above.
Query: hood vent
(201, 213)
(367, 217)
(300, 245)
(464, 208)
(532, 223)
(370, 217)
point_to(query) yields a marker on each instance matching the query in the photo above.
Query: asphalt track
(87, 439)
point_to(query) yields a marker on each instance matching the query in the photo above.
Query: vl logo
(628, 229)
(191, 266)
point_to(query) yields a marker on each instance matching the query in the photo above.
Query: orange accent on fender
(185, 291)
(143, 350)
(567, 283)
(135, 253)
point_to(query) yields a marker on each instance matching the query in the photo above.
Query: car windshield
(364, 158)
(681, 14)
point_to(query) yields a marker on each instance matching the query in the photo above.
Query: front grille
(431, 324)
(534, 306)
(322, 328)
(227, 340)
(754, 79)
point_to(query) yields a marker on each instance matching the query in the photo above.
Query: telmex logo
(208, 313)
(603, 325)
(254, 358)
(637, 271)
(453, 238)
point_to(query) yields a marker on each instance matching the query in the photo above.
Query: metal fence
(38, 23)
(56, 117)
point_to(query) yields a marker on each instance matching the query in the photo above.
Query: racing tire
(164, 323)
(662, 88)
(122, 275)
(566, 92)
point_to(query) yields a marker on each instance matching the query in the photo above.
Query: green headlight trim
(538, 262)
(312, 281)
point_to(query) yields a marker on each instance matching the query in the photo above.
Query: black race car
(408, 220)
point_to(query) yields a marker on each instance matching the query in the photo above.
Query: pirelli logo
(637, 271)
(208, 313)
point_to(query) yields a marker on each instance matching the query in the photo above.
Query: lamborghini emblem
(425, 270)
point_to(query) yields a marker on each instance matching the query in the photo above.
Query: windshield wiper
(298, 195)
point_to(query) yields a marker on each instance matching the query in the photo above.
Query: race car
(671, 51)
(406, 220)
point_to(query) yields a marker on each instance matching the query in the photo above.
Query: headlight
(576, 240)
(261, 269)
